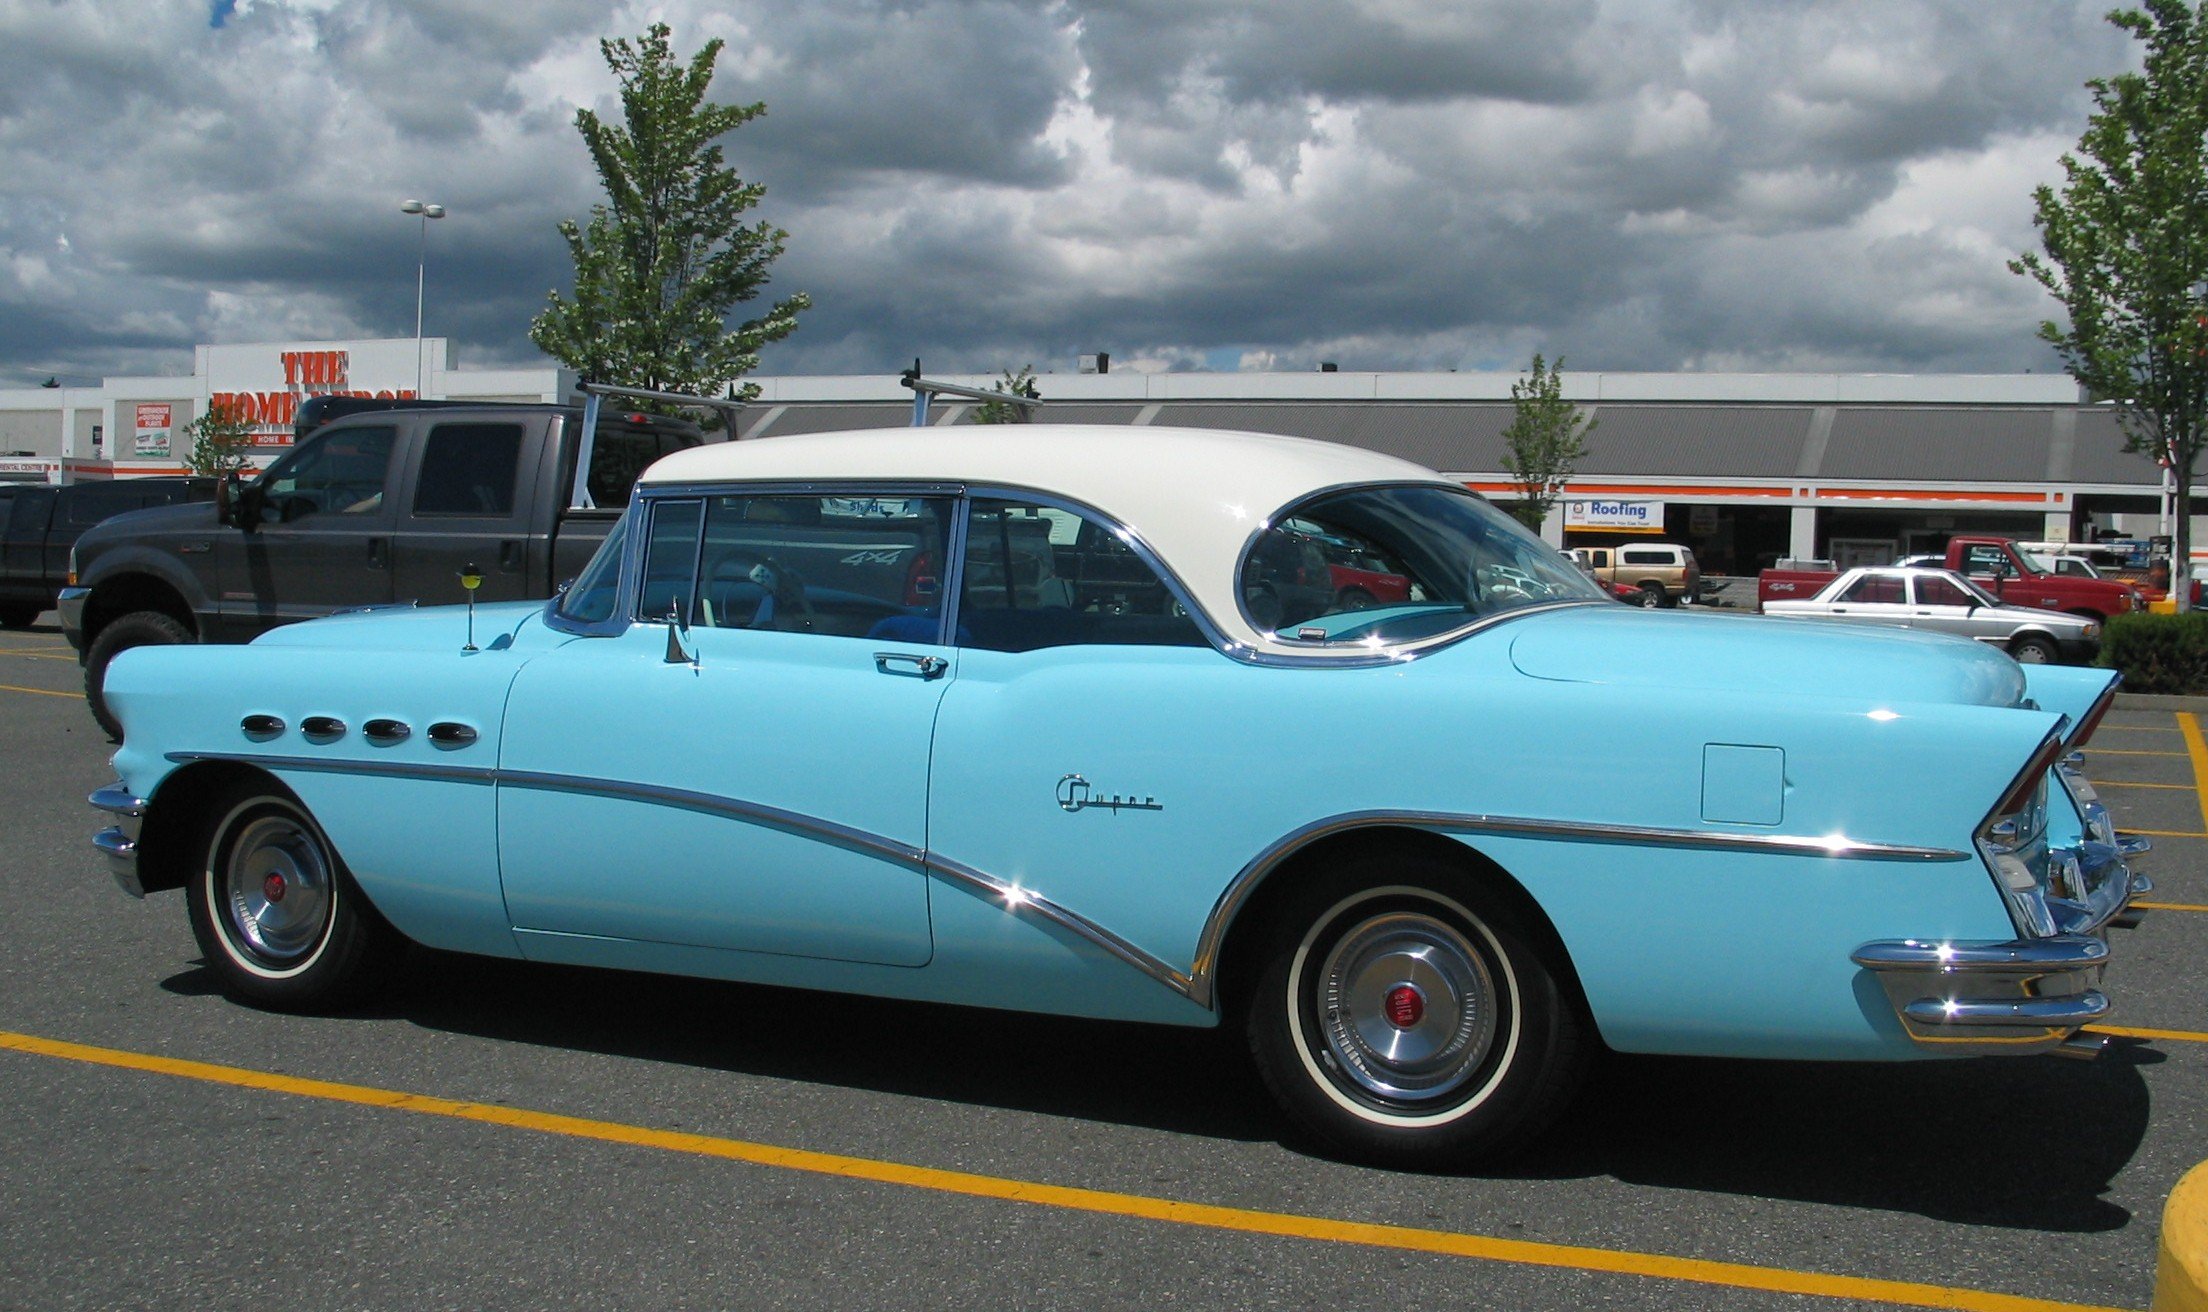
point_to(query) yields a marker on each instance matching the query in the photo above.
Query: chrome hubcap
(276, 888)
(1406, 1007)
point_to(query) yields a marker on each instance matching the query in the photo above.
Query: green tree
(220, 442)
(2127, 251)
(663, 263)
(1547, 437)
(1012, 384)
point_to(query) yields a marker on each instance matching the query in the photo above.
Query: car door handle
(377, 558)
(509, 555)
(908, 664)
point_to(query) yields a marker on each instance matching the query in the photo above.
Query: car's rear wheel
(280, 920)
(1652, 594)
(139, 628)
(2031, 649)
(18, 615)
(1403, 1016)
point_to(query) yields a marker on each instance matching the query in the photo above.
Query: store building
(1744, 468)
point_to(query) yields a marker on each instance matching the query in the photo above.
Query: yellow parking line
(2132, 783)
(1277, 1224)
(2131, 728)
(2174, 1036)
(2091, 752)
(2170, 833)
(42, 692)
(2189, 725)
(42, 655)
(2166, 906)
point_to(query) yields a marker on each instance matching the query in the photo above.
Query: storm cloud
(1388, 184)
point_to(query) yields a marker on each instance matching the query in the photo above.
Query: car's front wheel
(2031, 649)
(1404, 1017)
(280, 921)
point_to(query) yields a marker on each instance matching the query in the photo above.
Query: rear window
(469, 469)
(1648, 556)
(620, 455)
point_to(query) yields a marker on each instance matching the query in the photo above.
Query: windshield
(2036, 562)
(590, 599)
(1387, 565)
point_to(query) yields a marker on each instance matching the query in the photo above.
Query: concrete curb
(2147, 701)
(2181, 1270)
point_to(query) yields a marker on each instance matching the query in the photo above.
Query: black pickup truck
(38, 525)
(372, 509)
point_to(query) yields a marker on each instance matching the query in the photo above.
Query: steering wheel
(782, 590)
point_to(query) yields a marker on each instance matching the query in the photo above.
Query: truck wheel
(140, 628)
(1652, 594)
(18, 615)
(2031, 649)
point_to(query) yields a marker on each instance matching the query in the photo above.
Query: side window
(670, 560)
(1040, 577)
(852, 567)
(1941, 592)
(1988, 560)
(1649, 557)
(469, 469)
(340, 472)
(1873, 589)
(590, 600)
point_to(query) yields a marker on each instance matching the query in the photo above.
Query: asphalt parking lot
(501, 1136)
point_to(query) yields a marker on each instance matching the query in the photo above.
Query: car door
(761, 785)
(1940, 606)
(323, 541)
(464, 505)
(1873, 599)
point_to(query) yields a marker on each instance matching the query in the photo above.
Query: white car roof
(1195, 495)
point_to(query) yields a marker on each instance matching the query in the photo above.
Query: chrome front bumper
(119, 841)
(2028, 995)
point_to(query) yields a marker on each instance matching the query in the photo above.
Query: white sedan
(1942, 601)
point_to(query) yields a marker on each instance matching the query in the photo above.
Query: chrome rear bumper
(2029, 995)
(119, 841)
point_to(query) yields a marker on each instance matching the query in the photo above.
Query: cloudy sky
(1187, 184)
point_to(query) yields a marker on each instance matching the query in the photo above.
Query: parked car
(1665, 573)
(1942, 601)
(1996, 565)
(1426, 856)
(39, 524)
(372, 509)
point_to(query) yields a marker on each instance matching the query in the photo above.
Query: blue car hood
(408, 628)
(1754, 654)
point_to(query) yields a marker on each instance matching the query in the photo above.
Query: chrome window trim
(1198, 984)
(1354, 653)
(644, 502)
(1205, 626)
(624, 585)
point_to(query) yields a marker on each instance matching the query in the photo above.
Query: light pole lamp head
(423, 208)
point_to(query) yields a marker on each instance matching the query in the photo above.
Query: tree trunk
(2181, 538)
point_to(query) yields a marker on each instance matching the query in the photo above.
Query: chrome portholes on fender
(277, 917)
(1400, 1012)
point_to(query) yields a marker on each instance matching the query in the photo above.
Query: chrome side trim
(1245, 883)
(459, 774)
(2028, 1013)
(1017, 899)
(1198, 983)
(771, 817)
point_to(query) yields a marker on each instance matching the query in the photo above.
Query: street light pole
(421, 277)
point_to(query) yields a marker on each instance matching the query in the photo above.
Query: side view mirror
(238, 503)
(677, 629)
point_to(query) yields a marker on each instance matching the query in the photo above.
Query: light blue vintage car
(1089, 721)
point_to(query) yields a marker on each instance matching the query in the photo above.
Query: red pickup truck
(1996, 565)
